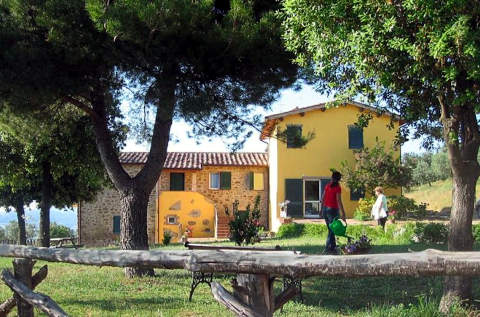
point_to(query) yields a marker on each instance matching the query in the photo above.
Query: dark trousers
(382, 221)
(330, 214)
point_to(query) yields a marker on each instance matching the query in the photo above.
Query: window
(116, 224)
(220, 180)
(177, 181)
(172, 220)
(294, 136)
(356, 194)
(255, 181)
(215, 180)
(355, 137)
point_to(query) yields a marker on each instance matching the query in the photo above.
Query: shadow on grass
(126, 303)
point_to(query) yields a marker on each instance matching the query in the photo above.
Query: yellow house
(299, 174)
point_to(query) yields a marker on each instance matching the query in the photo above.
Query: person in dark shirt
(331, 206)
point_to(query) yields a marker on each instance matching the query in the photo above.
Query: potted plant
(360, 246)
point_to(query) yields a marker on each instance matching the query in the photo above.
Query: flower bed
(360, 246)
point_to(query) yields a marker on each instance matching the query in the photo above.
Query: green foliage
(476, 232)
(314, 230)
(406, 207)
(290, 230)
(60, 231)
(375, 167)
(11, 231)
(364, 208)
(428, 167)
(167, 237)
(430, 233)
(245, 226)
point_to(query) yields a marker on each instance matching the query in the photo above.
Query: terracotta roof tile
(196, 160)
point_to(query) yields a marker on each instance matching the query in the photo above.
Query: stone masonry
(95, 224)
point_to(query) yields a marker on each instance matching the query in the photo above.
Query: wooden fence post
(23, 272)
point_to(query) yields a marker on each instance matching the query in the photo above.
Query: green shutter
(177, 181)
(355, 137)
(225, 180)
(116, 224)
(294, 193)
(250, 180)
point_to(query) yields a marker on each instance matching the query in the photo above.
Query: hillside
(437, 196)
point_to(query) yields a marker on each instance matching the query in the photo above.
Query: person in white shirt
(379, 209)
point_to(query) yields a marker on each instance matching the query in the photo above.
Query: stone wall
(96, 218)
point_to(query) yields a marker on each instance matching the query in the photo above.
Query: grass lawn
(92, 291)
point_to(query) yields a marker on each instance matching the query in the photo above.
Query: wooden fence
(256, 270)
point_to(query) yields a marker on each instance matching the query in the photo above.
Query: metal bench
(207, 278)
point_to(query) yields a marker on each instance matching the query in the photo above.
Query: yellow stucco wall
(327, 149)
(190, 209)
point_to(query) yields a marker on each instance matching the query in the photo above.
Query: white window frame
(169, 218)
(210, 180)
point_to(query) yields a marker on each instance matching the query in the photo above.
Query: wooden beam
(10, 303)
(231, 302)
(22, 269)
(282, 298)
(429, 262)
(173, 259)
(43, 302)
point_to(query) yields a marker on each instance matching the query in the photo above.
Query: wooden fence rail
(256, 270)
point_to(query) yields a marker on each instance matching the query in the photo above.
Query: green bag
(338, 227)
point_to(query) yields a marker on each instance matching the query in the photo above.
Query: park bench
(59, 242)
(207, 278)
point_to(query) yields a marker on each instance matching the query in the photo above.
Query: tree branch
(82, 106)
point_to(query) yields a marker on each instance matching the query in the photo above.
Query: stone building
(190, 196)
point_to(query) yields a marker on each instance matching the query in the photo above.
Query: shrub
(476, 232)
(245, 224)
(167, 237)
(430, 233)
(406, 207)
(290, 230)
(364, 208)
(60, 231)
(314, 229)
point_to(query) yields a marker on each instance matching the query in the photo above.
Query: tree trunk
(135, 191)
(256, 291)
(22, 233)
(133, 228)
(45, 204)
(460, 238)
(462, 139)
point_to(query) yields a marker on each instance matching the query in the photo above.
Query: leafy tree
(423, 173)
(12, 231)
(52, 160)
(375, 167)
(440, 165)
(17, 187)
(205, 61)
(60, 231)
(418, 58)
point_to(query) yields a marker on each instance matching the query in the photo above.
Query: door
(313, 189)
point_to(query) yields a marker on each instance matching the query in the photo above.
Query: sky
(288, 100)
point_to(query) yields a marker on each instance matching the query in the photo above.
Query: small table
(60, 241)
